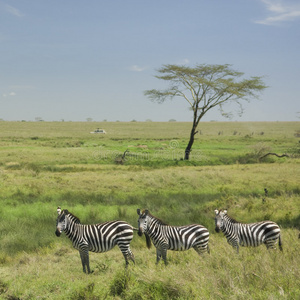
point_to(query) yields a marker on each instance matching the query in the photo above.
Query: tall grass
(256, 273)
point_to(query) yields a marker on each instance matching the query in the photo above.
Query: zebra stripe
(177, 238)
(247, 235)
(96, 238)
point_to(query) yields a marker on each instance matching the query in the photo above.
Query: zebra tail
(135, 229)
(280, 243)
(148, 241)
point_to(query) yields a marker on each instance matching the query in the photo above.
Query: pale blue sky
(73, 60)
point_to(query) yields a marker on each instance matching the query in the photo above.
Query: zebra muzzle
(57, 232)
(217, 229)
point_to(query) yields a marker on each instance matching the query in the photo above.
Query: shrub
(120, 283)
(85, 293)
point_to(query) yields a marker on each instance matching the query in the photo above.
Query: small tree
(205, 87)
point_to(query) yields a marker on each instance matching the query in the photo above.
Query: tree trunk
(188, 148)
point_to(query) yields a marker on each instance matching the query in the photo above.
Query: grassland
(43, 165)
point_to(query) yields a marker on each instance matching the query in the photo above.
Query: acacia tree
(204, 87)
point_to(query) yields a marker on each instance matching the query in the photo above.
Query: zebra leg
(126, 251)
(164, 256)
(201, 250)
(161, 253)
(82, 261)
(131, 256)
(280, 243)
(234, 243)
(270, 244)
(84, 255)
(237, 248)
(127, 255)
(158, 255)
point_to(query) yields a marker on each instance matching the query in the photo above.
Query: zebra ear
(225, 211)
(58, 210)
(216, 212)
(138, 211)
(146, 212)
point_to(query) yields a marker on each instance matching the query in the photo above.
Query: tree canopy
(204, 87)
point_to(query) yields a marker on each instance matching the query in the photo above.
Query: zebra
(96, 238)
(247, 235)
(166, 237)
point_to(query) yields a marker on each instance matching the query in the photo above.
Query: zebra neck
(229, 225)
(154, 227)
(73, 229)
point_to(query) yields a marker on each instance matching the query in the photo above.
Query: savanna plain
(101, 177)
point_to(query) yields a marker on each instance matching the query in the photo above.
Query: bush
(120, 283)
(85, 293)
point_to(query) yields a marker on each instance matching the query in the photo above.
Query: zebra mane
(74, 218)
(159, 221)
(232, 220)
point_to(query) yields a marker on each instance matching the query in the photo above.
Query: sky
(72, 60)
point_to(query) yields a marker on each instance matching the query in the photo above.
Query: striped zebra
(247, 235)
(96, 238)
(165, 237)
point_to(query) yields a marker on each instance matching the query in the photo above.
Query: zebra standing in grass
(165, 237)
(96, 238)
(247, 235)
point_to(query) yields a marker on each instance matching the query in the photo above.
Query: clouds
(280, 11)
(16, 90)
(184, 61)
(10, 94)
(13, 11)
(136, 68)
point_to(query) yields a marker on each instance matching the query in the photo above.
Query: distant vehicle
(99, 131)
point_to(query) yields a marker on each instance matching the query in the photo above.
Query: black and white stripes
(247, 235)
(165, 237)
(96, 238)
(104, 236)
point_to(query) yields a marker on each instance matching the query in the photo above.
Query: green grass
(44, 165)
(38, 145)
(55, 272)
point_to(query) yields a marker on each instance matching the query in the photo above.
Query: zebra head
(142, 221)
(61, 221)
(219, 219)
